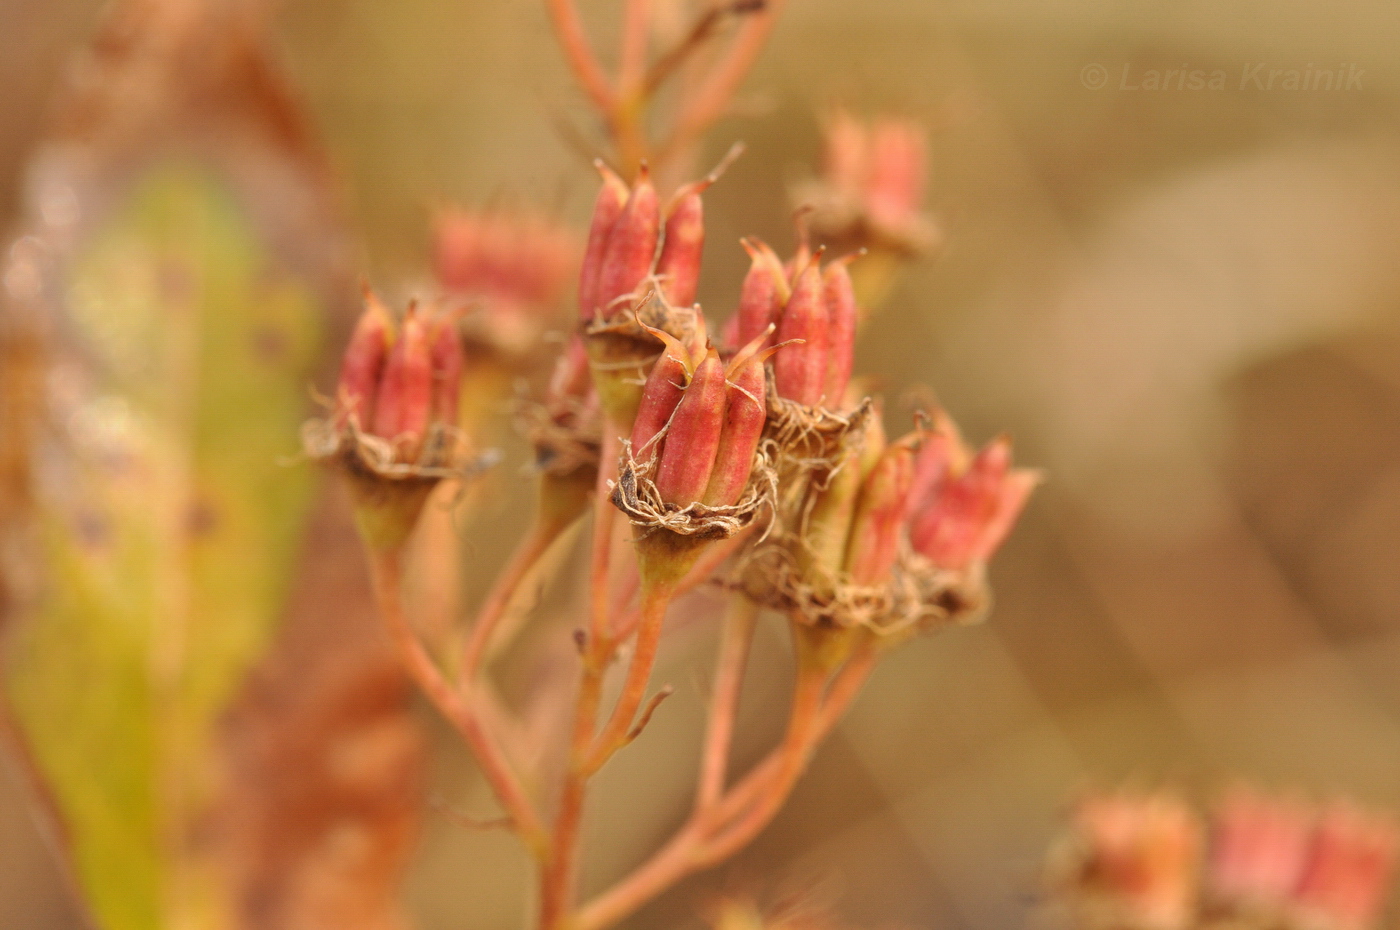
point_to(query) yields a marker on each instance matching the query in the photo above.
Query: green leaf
(169, 521)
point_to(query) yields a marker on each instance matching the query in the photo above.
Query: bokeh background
(1183, 304)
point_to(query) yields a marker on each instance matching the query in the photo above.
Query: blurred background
(1184, 304)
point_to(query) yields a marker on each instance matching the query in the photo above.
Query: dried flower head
(392, 427)
(512, 266)
(870, 194)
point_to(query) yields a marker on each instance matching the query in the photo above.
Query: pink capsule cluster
(1284, 860)
(813, 311)
(881, 166)
(1331, 866)
(397, 382)
(628, 228)
(515, 257)
(700, 421)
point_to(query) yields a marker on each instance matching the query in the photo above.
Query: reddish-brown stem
(493, 609)
(655, 600)
(705, 566)
(386, 570)
(686, 850)
(710, 99)
(557, 878)
(633, 61)
(734, 644)
(569, 28)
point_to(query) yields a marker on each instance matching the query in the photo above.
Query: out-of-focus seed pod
(763, 293)
(678, 268)
(969, 516)
(840, 298)
(800, 371)
(571, 378)
(665, 387)
(898, 166)
(940, 455)
(873, 545)
(745, 411)
(1259, 847)
(1349, 868)
(607, 207)
(447, 371)
(363, 364)
(405, 402)
(631, 246)
(688, 455)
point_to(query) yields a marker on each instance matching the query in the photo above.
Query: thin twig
(569, 28)
(739, 623)
(701, 31)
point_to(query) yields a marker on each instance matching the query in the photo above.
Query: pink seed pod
(363, 364)
(800, 372)
(969, 516)
(405, 401)
(1349, 868)
(607, 207)
(763, 293)
(688, 455)
(665, 387)
(678, 268)
(846, 154)
(745, 411)
(941, 455)
(840, 296)
(631, 246)
(447, 371)
(881, 508)
(898, 165)
(1259, 848)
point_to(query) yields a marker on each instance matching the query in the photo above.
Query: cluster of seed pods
(701, 420)
(812, 310)
(398, 381)
(627, 228)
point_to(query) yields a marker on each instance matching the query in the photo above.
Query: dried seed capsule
(631, 247)
(969, 516)
(873, 545)
(688, 457)
(607, 207)
(745, 410)
(405, 400)
(363, 364)
(828, 524)
(665, 387)
(572, 378)
(447, 371)
(763, 293)
(678, 268)
(800, 371)
(840, 296)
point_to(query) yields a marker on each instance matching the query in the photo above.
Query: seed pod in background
(898, 166)
(763, 294)
(745, 411)
(631, 247)
(873, 545)
(969, 515)
(692, 442)
(800, 372)
(941, 453)
(405, 401)
(447, 370)
(363, 364)
(607, 207)
(664, 389)
(840, 296)
(572, 379)
(1347, 878)
(678, 268)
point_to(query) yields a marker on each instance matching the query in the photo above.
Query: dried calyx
(393, 425)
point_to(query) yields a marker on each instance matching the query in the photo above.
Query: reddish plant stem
(686, 851)
(655, 600)
(569, 28)
(710, 99)
(558, 877)
(494, 608)
(735, 641)
(705, 566)
(386, 570)
(633, 61)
